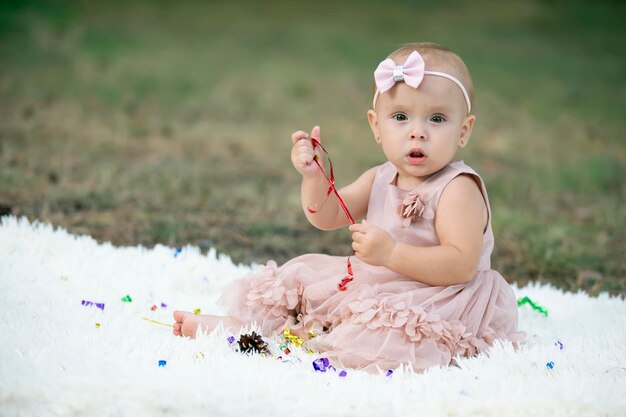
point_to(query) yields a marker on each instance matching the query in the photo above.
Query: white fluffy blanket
(60, 356)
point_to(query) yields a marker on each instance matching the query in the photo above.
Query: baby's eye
(400, 117)
(437, 118)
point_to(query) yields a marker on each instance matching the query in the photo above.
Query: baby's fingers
(298, 135)
(358, 227)
(315, 133)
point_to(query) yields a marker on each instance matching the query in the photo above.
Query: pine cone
(252, 343)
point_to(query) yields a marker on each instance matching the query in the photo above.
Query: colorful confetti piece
(92, 303)
(177, 252)
(97, 325)
(154, 307)
(163, 305)
(535, 306)
(162, 363)
(321, 364)
(196, 311)
(156, 322)
(389, 372)
(550, 365)
(292, 338)
(127, 299)
(231, 339)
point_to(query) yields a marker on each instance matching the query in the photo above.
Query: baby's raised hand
(371, 244)
(302, 152)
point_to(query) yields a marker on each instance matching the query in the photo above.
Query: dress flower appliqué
(413, 209)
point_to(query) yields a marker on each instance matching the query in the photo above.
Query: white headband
(412, 73)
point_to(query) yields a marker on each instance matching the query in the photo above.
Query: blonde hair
(437, 58)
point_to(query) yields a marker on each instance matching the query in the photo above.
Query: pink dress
(383, 319)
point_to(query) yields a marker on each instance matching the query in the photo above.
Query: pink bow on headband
(388, 73)
(412, 73)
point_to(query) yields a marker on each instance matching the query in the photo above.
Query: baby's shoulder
(457, 179)
(456, 172)
(462, 185)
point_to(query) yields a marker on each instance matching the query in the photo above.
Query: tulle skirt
(383, 320)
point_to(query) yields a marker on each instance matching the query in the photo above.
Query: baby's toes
(176, 329)
(188, 328)
(180, 316)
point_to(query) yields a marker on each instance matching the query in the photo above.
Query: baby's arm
(315, 186)
(460, 221)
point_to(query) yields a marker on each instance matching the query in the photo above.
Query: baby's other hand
(371, 244)
(302, 152)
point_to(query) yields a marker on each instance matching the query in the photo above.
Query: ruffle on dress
(418, 325)
(264, 300)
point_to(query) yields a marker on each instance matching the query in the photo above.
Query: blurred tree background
(151, 122)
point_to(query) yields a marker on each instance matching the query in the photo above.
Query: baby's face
(421, 129)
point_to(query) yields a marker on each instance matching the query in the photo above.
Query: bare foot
(187, 324)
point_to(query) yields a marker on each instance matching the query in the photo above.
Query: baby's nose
(417, 131)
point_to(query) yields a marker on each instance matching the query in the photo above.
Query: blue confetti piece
(177, 252)
(550, 365)
(162, 363)
(321, 364)
(92, 303)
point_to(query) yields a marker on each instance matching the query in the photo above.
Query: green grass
(153, 122)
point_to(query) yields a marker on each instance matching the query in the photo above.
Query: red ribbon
(332, 189)
(331, 182)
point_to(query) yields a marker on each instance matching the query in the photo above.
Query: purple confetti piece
(342, 374)
(389, 372)
(321, 364)
(559, 344)
(88, 303)
(163, 305)
(231, 339)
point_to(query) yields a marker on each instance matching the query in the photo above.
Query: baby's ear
(372, 118)
(466, 130)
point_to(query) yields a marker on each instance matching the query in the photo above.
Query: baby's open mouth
(417, 154)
